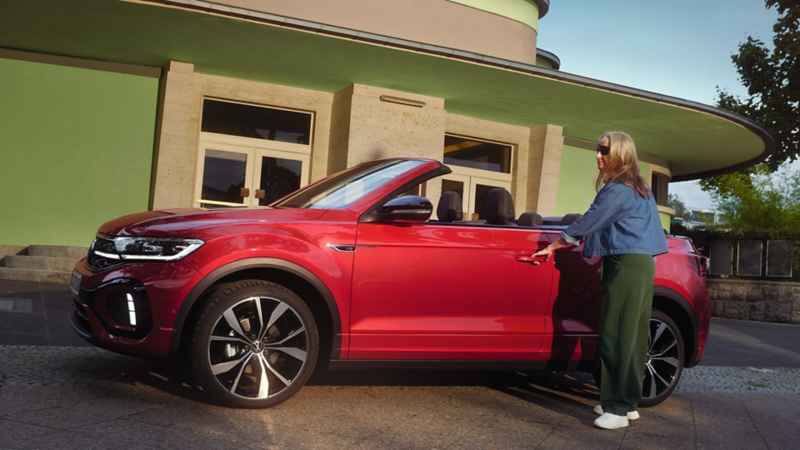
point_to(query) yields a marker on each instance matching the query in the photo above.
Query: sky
(681, 48)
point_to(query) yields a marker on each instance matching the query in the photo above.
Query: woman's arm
(548, 251)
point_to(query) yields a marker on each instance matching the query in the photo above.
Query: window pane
(477, 155)
(481, 192)
(278, 178)
(223, 176)
(455, 186)
(256, 122)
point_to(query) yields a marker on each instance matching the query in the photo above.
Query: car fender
(680, 300)
(254, 263)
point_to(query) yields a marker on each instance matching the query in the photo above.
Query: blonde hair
(623, 166)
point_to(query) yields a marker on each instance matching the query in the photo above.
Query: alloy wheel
(664, 365)
(258, 347)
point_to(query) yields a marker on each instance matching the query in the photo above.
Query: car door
(574, 314)
(448, 291)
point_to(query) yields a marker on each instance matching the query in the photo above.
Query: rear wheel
(665, 356)
(255, 344)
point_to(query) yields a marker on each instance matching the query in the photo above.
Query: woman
(623, 227)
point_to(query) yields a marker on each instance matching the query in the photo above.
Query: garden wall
(765, 301)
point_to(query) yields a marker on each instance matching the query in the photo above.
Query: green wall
(76, 149)
(524, 11)
(576, 181)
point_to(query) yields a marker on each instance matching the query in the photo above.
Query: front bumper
(101, 313)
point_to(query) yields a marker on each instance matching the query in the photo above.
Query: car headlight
(146, 248)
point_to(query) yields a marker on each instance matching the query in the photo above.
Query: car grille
(97, 263)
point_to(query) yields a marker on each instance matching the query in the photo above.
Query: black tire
(255, 344)
(665, 359)
(670, 374)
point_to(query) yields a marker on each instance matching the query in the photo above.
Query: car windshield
(343, 189)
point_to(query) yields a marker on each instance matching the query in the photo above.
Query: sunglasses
(604, 150)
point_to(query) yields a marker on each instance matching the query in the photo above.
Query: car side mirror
(407, 209)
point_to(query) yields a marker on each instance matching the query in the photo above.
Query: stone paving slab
(79, 397)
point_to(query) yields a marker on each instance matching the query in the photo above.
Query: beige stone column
(369, 123)
(177, 131)
(544, 165)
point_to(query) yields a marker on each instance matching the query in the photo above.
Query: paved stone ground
(82, 397)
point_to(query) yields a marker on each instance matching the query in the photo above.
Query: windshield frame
(314, 195)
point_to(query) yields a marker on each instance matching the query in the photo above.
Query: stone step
(43, 276)
(59, 264)
(6, 250)
(59, 251)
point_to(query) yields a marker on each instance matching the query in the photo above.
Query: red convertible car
(352, 272)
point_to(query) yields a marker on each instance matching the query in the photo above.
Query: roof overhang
(697, 140)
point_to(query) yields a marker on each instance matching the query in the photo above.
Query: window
(660, 187)
(478, 167)
(250, 155)
(479, 155)
(256, 122)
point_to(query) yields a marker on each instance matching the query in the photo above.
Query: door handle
(530, 259)
(244, 192)
(261, 193)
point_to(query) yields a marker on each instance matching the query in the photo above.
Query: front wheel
(255, 344)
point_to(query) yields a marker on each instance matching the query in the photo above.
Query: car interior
(499, 211)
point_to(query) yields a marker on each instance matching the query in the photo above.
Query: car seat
(449, 209)
(499, 207)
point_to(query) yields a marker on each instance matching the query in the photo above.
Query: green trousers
(627, 282)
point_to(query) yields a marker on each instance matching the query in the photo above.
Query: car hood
(190, 221)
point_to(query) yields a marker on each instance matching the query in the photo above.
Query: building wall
(500, 28)
(177, 140)
(76, 148)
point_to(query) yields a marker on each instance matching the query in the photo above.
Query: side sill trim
(409, 364)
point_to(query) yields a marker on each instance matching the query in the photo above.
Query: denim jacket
(618, 222)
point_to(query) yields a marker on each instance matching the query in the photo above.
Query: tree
(761, 202)
(676, 203)
(772, 79)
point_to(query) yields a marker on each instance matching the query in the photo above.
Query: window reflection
(224, 176)
(477, 155)
(256, 122)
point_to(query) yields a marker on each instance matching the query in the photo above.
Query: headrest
(449, 209)
(569, 218)
(529, 219)
(499, 207)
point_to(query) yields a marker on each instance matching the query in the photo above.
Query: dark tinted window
(477, 155)
(660, 187)
(256, 122)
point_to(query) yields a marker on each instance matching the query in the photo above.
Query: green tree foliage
(760, 202)
(772, 79)
(676, 203)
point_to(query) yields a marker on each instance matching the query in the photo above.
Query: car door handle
(530, 259)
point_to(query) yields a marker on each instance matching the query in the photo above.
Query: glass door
(224, 175)
(278, 174)
(479, 190)
(460, 185)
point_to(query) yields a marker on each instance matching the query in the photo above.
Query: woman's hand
(544, 253)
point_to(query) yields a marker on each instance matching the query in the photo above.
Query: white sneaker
(610, 421)
(633, 415)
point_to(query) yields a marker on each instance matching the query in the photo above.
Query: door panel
(278, 174)
(225, 170)
(436, 291)
(574, 313)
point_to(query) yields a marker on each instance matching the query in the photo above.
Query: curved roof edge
(544, 6)
(549, 57)
(347, 33)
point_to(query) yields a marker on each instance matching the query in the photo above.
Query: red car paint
(421, 291)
